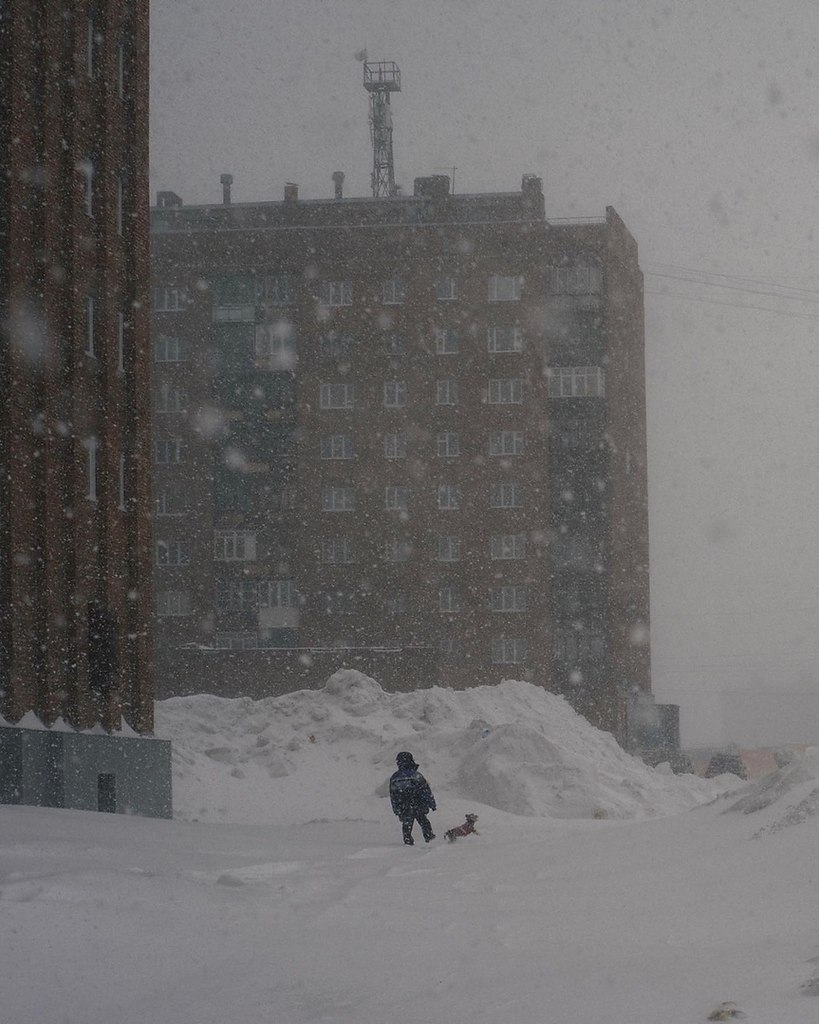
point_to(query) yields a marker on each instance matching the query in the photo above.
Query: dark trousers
(423, 821)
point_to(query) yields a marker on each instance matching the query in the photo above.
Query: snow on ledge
(30, 720)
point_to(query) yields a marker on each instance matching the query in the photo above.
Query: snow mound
(791, 792)
(329, 753)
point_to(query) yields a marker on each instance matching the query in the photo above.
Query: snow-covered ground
(599, 891)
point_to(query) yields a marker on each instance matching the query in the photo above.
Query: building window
(447, 341)
(395, 394)
(338, 602)
(505, 289)
(579, 279)
(85, 168)
(236, 595)
(505, 392)
(120, 205)
(90, 39)
(171, 500)
(335, 345)
(336, 396)
(122, 468)
(448, 445)
(507, 545)
(395, 446)
(508, 599)
(234, 546)
(506, 442)
(449, 548)
(276, 289)
(394, 344)
(449, 599)
(396, 604)
(337, 446)
(336, 551)
(572, 646)
(173, 603)
(275, 347)
(121, 71)
(446, 392)
(446, 288)
(172, 553)
(120, 342)
(169, 450)
(283, 443)
(396, 499)
(91, 445)
(90, 339)
(168, 350)
(508, 494)
(397, 549)
(338, 499)
(277, 594)
(577, 382)
(287, 499)
(234, 314)
(168, 300)
(449, 648)
(506, 338)
(336, 293)
(509, 652)
(577, 434)
(393, 292)
(170, 399)
(576, 551)
(449, 496)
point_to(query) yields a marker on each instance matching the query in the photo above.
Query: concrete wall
(88, 772)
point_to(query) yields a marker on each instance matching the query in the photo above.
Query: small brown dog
(468, 828)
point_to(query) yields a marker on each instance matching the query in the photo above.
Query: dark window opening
(107, 792)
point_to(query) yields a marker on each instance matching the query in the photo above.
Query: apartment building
(76, 516)
(405, 434)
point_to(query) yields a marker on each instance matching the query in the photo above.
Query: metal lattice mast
(380, 79)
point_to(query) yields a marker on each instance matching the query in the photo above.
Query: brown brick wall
(60, 550)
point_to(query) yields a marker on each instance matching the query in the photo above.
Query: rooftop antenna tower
(380, 79)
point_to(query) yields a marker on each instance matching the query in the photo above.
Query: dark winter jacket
(410, 793)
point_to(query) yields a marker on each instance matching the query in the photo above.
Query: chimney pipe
(338, 181)
(291, 192)
(227, 181)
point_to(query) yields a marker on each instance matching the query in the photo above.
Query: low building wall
(86, 771)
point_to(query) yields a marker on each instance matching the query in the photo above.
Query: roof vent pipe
(338, 181)
(227, 181)
(291, 192)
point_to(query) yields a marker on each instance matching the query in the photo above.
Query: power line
(807, 295)
(736, 305)
(730, 277)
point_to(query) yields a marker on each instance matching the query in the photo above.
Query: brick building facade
(76, 616)
(404, 434)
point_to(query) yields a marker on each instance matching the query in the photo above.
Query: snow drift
(329, 753)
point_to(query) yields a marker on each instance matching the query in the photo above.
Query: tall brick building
(76, 630)
(404, 433)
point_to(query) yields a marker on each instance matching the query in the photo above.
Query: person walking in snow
(411, 797)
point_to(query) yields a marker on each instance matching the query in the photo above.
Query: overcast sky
(699, 122)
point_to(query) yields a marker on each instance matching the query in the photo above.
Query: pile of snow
(675, 918)
(792, 792)
(328, 754)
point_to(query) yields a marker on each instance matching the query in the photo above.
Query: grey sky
(699, 122)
